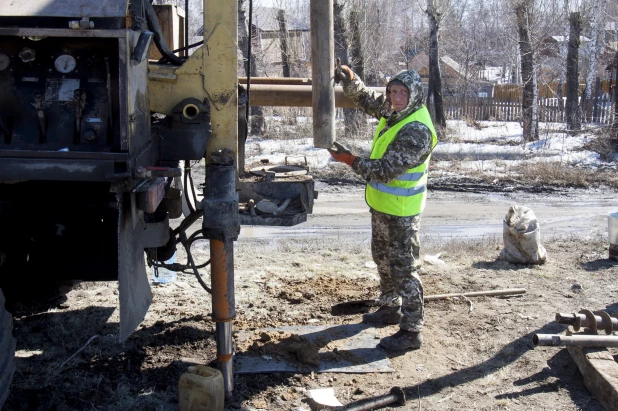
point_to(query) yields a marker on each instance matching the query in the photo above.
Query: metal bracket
(84, 23)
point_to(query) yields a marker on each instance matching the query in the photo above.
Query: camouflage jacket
(412, 144)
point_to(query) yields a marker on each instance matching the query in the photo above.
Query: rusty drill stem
(557, 340)
(223, 304)
(588, 319)
(571, 319)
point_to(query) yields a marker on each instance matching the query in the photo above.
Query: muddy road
(340, 211)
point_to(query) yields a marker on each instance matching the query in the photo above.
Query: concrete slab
(356, 340)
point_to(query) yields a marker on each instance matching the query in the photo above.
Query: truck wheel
(7, 351)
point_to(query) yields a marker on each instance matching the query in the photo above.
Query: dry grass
(553, 173)
(605, 143)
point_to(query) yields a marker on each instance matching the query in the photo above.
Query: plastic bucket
(612, 230)
(201, 389)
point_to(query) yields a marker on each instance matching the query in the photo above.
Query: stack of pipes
(590, 321)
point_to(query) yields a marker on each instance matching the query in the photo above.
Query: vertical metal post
(322, 70)
(220, 79)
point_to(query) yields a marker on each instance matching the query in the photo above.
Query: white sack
(522, 237)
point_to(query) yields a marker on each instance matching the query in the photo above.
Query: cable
(183, 239)
(153, 24)
(192, 188)
(186, 26)
(186, 187)
(190, 46)
(249, 67)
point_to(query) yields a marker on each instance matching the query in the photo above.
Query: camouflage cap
(412, 81)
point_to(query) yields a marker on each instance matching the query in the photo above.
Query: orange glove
(342, 154)
(343, 73)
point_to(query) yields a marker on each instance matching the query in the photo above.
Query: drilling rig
(93, 139)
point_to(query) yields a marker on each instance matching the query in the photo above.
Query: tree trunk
(350, 115)
(356, 53)
(615, 124)
(529, 105)
(572, 104)
(283, 39)
(434, 94)
(357, 119)
(250, 66)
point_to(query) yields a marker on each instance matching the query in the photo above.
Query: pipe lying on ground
(557, 340)
(588, 319)
(508, 291)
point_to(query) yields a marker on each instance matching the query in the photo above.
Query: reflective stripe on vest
(404, 196)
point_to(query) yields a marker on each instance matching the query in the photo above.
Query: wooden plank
(599, 370)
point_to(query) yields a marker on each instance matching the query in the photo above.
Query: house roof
(420, 64)
(562, 39)
(265, 19)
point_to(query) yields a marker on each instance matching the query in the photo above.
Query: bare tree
(530, 120)
(357, 60)
(572, 103)
(249, 64)
(283, 40)
(352, 117)
(434, 90)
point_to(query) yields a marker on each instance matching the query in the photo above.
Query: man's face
(399, 95)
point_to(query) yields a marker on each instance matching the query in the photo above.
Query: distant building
(267, 42)
(266, 46)
(552, 44)
(478, 80)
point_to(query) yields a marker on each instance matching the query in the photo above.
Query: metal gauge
(5, 61)
(65, 63)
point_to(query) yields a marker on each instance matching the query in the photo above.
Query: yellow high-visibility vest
(404, 196)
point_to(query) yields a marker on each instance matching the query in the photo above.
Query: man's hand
(343, 73)
(341, 154)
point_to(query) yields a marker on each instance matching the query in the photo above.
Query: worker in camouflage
(395, 241)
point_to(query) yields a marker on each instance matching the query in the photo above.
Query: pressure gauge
(5, 61)
(65, 63)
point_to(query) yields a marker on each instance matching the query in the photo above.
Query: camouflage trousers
(395, 248)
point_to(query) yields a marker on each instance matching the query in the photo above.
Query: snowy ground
(495, 144)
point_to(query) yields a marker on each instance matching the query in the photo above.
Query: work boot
(384, 315)
(402, 340)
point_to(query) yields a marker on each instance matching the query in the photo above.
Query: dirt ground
(478, 352)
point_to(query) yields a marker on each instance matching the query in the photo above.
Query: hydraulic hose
(153, 24)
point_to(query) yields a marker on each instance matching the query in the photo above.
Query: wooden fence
(597, 111)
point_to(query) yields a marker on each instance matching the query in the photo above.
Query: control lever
(38, 103)
(80, 105)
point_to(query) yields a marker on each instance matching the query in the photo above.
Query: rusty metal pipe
(288, 95)
(588, 319)
(223, 305)
(322, 72)
(282, 81)
(557, 340)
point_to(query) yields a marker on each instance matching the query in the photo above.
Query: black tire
(7, 351)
